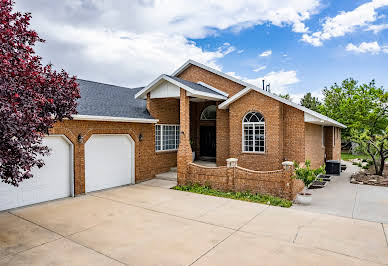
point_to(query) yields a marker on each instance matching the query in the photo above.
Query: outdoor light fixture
(80, 139)
(141, 137)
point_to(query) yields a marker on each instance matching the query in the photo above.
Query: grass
(244, 196)
(349, 156)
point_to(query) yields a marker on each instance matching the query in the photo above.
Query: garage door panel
(52, 181)
(108, 161)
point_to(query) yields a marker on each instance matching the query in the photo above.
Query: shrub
(306, 174)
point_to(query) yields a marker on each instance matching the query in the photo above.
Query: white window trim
(161, 137)
(243, 141)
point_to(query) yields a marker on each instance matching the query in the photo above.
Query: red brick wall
(333, 143)
(315, 151)
(294, 134)
(195, 74)
(276, 183)
(272, 112)
(166, 110)
(147, 161)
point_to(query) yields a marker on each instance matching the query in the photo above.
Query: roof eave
(115, 119)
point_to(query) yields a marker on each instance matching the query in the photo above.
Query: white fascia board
(114, 119)
(144, 91)
(212, 88)
(192, 92)
(235, 97)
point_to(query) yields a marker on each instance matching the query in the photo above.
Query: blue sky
(308, 44)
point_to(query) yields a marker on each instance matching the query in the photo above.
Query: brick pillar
(184, 155)
(288, 167)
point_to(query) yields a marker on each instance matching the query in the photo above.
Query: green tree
(376, 145)
(359, 107)
(310, 102)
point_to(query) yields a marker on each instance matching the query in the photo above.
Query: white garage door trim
(132, 153)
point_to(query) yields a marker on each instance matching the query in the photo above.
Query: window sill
(254, 153)
(167, 151)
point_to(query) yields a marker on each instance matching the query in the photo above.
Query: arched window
(253, 132)
(209, 113)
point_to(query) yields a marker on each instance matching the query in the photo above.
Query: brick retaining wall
(276, 183)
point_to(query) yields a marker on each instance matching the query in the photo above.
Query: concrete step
(171, 176)
(173, 169)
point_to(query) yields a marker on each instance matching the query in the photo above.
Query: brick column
(184, 155)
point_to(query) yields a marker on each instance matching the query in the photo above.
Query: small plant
(306, 174)
(354, 163)
(359, 164)
(365, 167)
(364, 160)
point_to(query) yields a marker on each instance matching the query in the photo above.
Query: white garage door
(52, 181)
(109, 161)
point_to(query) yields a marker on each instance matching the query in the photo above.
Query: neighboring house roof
(106, 102)
(193, 89)
(310, 115)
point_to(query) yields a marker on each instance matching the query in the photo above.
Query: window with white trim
(166, 137)
(254, 133)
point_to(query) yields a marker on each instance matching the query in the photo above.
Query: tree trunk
(374, 159)
(382, 164)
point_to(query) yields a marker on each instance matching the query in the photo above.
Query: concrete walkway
(148, 225)
(342, 198)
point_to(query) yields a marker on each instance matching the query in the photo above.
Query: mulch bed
(368, 177)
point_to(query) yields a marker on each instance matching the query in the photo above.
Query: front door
(208, 141)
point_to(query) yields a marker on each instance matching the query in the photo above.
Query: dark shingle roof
(195, 86)
(100, 99)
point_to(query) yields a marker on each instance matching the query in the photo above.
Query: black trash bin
(333, 167)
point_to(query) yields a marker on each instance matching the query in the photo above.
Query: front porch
(196, 104)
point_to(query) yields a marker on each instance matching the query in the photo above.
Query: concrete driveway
(148, 225)
(342, 198)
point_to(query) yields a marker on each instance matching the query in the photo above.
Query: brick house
(124, 136)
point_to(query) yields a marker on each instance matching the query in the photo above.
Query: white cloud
(233, 74)
(259, 69)
(377, 28)
(138, 40)
(240, 51)
(367, 47)
(266, 53)
(280, 81)
(346, 22)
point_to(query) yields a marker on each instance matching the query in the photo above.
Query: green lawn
(349, 156)
(245, 196)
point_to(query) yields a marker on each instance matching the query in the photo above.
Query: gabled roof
(194, 89)
(312, 116)
(106, 102)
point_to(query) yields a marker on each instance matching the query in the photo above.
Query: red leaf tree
(32, 97)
